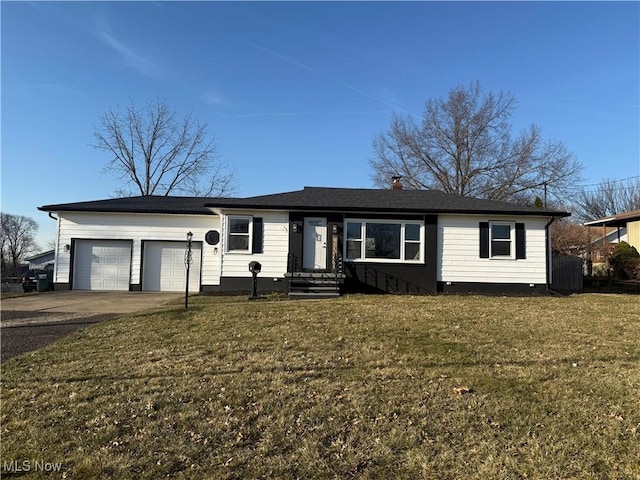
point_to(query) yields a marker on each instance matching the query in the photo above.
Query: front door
(315, 244)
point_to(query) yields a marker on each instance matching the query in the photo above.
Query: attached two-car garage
(106, 265)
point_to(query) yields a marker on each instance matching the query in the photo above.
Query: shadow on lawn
(321, 371)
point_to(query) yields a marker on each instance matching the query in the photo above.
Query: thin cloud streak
(131, 58)
(301, 114)
(213, 97)
(304, 66)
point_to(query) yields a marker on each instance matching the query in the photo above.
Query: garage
(102, 265)
(163, 267)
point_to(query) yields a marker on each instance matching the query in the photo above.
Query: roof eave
(316, 208)
(39, 255)
(609, 222)
(54, 209)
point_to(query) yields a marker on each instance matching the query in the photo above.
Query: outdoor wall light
(294, 227)
(67, 247)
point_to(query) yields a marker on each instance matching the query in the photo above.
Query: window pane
(354, 231)
(239, 225)
(411, 231)
(500, 248)
(239, 242)
(501, 232)
(412, 251)
(354, 249)
(383, 240)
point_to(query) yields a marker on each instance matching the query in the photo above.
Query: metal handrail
(337, 269)
(292, 266)
(292, 263)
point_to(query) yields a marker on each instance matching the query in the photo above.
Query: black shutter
(521, 248)
(484, 239)
(257, 235)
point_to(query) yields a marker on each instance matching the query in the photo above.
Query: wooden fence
(567, 273)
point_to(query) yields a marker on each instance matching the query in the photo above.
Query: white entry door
(315, 243)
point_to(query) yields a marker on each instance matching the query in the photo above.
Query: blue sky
(294, 92)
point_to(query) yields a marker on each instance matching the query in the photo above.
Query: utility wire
(610, 181)
(592, 187)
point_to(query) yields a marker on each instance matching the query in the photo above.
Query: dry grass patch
(356, 387)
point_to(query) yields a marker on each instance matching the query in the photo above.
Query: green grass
(356, 387)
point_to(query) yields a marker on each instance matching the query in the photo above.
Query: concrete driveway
(33, 321)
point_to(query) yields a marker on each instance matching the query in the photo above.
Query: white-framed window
(384, 240)
(502, 239)
(239, 234)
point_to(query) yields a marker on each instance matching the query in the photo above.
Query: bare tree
(152, 153)
(464, 145)
(3, 249)
(17, 239)
(570, 237)
(610, 197)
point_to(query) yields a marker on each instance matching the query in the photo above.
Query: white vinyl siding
(275, 247)
(459, 259)
(137, 228)
(164, 269)
(43, 261)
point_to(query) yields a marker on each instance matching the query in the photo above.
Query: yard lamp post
(187, 263)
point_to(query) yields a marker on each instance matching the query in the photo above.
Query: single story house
(44, 260)
(315, 240)
(601, 247)
(613, 237)
(626, 224)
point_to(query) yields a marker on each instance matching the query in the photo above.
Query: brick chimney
(395, 182)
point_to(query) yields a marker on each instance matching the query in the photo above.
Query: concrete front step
(314, 287)
(311, 290)
(314, 284)
(317, 275)
(310, 295)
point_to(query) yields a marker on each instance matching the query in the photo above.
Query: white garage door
(164, 268)
(102, 265)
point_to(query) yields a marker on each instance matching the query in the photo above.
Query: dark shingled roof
(617, 220)
(314, 199)
(145, 204)
(375, 200)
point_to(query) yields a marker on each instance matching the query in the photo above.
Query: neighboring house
(614, 236)
(44, 260)
(626, 227)
(603, 245)
(404, 241)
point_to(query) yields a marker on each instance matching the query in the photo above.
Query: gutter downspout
(549, 255)
(55, 253)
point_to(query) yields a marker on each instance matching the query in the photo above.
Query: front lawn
(357, 387)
